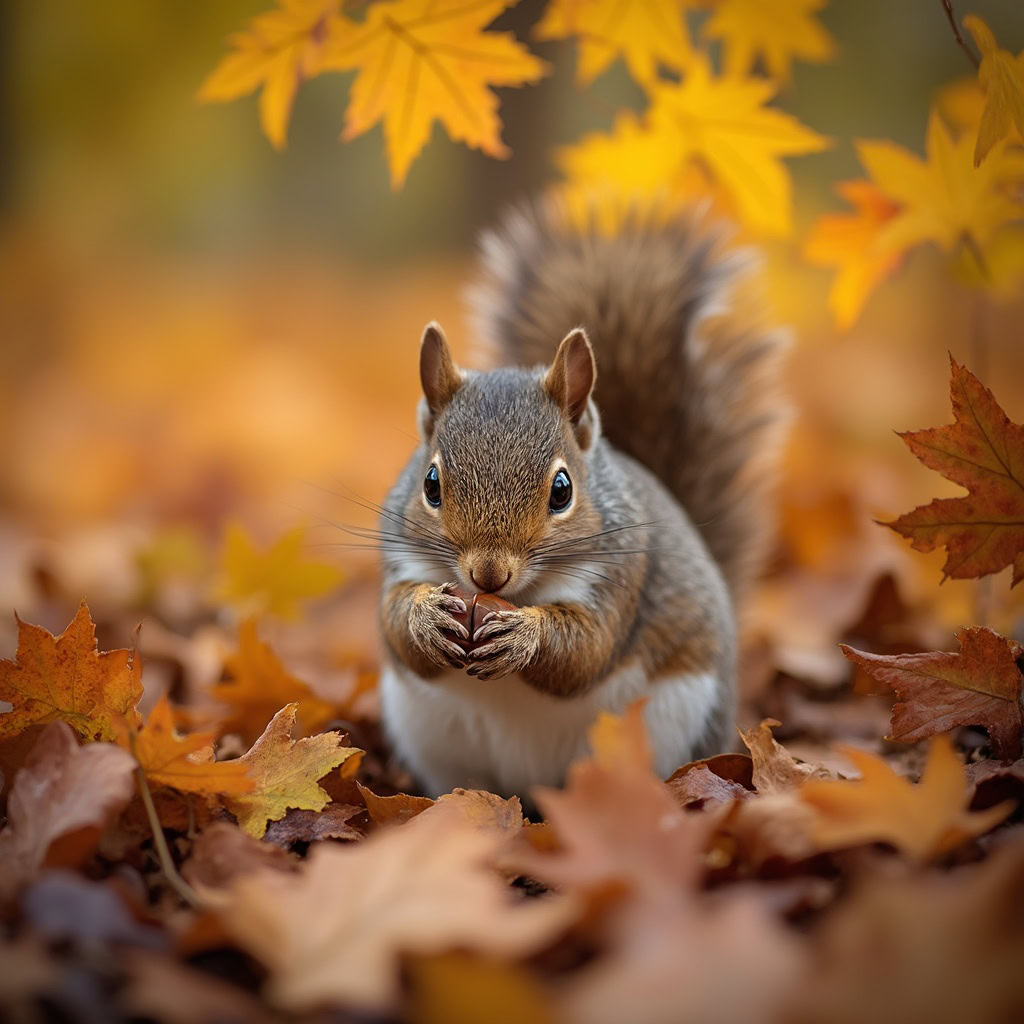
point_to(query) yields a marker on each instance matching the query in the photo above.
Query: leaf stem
(947, 6)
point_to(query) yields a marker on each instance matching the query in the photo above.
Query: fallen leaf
(774, 770)
(923, 821)
(386, 810)
(258, 685)
(223, 852)
(66, 679)
(702, 785)
(979, 685)
(280, 49)
(331, 935)
(186, 762)
(644, 33)
(61, 790)
(299, 826)
(284, 773)
(420, 61)
(847, 241)
(619, 743)
(1001, 75)
(276, 580)
(772, 31)
(984, 452)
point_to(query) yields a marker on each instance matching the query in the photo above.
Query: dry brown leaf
(979, 685)
(300, 826)
(700, 784)
(331, 934)
(774, 769)
(223, 852)
(923, 820)
(386, 810)
(64, 794)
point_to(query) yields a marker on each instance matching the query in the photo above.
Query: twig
(947, 6)
(176, 882)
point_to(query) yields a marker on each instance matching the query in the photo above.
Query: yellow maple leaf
(421, 61)
(644, 33)
(258, 685)
(185, 762)
(774, 31)
(1001, 75)
(720, 124)
(66, 679)
(944, 199)
(275, 580)
(284, 773)
(280, 49)
(923, 820)
(847, 241)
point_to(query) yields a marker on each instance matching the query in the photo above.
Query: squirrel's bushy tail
(687, 380)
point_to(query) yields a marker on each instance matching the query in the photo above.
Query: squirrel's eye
(432, 487)
(561, 492)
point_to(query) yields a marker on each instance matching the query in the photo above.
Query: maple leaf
(421, 61)
(848, 241)
(185, 762)
(331, 934)
(66, 679)
(776, 31)
(61, 789)
(284, 773)
(279, 51)
(979, 685)
(1001, 75)
(275, 580)
(719, 123)
(923, 820)
(984, 452)
(943, 199)
(259, 685)
(644, 33)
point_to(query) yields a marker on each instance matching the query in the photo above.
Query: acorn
(478, 607)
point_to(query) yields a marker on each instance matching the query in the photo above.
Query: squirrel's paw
(513, 636)
(431, 623)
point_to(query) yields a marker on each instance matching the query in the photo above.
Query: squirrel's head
(504, 482)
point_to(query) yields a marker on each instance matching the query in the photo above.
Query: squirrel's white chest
(505, 736)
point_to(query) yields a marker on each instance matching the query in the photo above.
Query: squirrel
(611, 479)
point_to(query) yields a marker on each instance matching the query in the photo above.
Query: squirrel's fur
(629, 590)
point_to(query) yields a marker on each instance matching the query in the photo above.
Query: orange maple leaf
(259, 685)
(66, 679)
(185, 762)
(984, 452)
(421, 61)
(923, 820)
(979, 685)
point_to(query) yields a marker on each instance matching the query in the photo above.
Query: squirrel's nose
(489, 578)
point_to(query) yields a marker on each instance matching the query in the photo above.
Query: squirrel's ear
(570, 380)
(439, 375)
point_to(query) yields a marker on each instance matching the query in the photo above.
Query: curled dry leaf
(923, 821)
(223, 852)
(700, 784)
(66, 679)
(331, 934)
(979, 685)
(386, 810)
(774, 769)
(62, 790)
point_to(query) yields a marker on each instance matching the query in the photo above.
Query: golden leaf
(421, 61)
(1001, 75)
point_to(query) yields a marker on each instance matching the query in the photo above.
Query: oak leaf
(421, 61)
(720, 123)
(984, 452)
(644, 33)
(258, 685)
(275, 580)
(923, 820)
(979, 685)
(1001, 75)
(280, 49)
(186, 762)
(284, 773)
(66, 679)
(943, 198)
(774, 31)
(848, 241)
(332, 934)
(61, 789)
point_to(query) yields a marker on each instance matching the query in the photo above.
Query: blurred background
(197, 331)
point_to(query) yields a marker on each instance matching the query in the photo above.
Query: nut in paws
(432, 624)
(511, 640)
